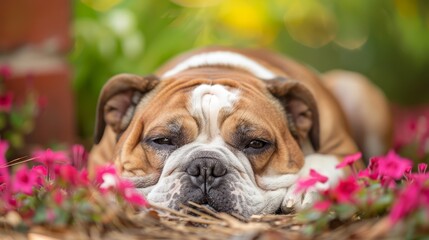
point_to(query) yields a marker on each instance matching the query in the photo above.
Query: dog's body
(234, 129)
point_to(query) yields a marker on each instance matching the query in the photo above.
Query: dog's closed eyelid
(242, 139)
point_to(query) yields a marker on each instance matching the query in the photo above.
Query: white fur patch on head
(206, 103)
(222, 58)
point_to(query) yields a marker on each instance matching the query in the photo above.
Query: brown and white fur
(235, 129)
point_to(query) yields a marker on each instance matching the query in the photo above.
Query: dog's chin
(224, 197)
(234, 193)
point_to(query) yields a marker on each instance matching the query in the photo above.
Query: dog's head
(212, 135)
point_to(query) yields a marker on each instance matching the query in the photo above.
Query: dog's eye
(256, 144)
(163, 141)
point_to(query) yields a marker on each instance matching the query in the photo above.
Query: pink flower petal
(135, 198)
(24, 180)
(364, 173)
(315, 177)
(83, 177)
(4, 173)
(407, 202)
(422, 167)
(319, 177)
(349, 160)
(49, 158)
(79, 157)
(6, 102)
(59, 197)
(392, 165)
(322, 206)
(305, 184)
(102, 170)
(5, 71)
(41, 173)
(69, 174)
(345, 189)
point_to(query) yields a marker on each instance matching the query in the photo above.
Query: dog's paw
(298, 200)
(325, 165)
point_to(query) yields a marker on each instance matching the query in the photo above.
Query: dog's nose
(206, 173)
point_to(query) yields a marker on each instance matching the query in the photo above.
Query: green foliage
(16, 118)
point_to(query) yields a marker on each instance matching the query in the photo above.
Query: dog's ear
(118, 99)
(300, 107)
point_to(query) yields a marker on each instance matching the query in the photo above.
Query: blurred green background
(387, 40)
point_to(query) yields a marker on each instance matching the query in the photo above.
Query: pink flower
(41, 173)
(319, 177)
(408, 174)
(420, 178)
(392, 165)
(6, 102)
(72, 176)
(4, 174)
(3, 183)
(129, 193)
(59, 197)
(374, 165)
(322, 206)
(24, 180)
(345, 189)
(424, 141)
(5, 71)
(50, 158)
(364, 173)
(42, 102)
(422, 167)
(387, 182)
(349, 160)
(41, 170)
(83, 177)
(105, 173)
(4, 145)
(314, 178)
(407, 202)
(11, 202)
(79, 156)
(135, 198)
(108, 179)
(69, 174)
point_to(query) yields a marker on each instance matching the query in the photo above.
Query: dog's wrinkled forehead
(207, 103)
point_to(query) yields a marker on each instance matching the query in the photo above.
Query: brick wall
(35, 37)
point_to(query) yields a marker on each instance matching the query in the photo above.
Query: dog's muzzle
(206, 173)
(206, 179)
(215, 177)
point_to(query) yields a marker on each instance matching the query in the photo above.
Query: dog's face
(211, 136)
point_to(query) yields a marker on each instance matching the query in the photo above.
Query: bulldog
(235, 129)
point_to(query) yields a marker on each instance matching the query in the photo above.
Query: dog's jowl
(234, 129)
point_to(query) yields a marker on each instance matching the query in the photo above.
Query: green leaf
(345, 211)
(15, 139)
(85, 212)
(27, 126)
(309, 216)
(40, 214)
(382, 203)
(62, 216)
(16, 120)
